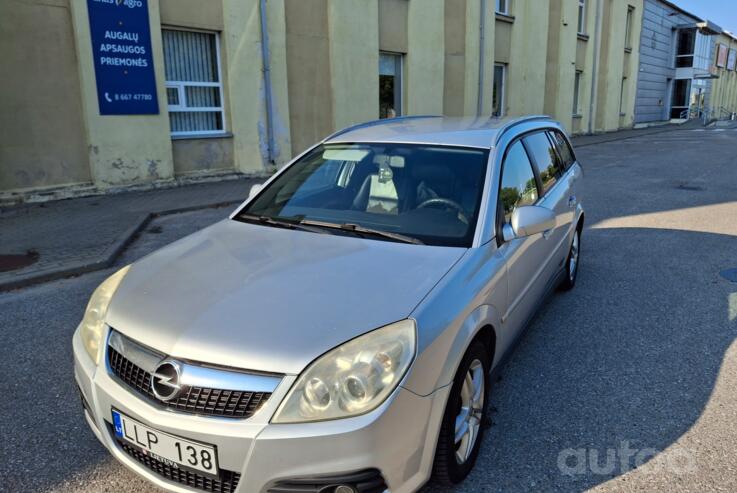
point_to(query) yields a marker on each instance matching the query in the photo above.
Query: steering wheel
(446, 202)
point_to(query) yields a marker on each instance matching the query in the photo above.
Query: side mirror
(527, 221)
(255, 189)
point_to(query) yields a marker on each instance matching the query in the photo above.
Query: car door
(571, 169)
(519, 187)
(555, 194)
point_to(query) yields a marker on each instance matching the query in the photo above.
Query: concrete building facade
(680, 66)
(245, 85)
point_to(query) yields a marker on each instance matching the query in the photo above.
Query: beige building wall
(125, 149)
(617, 69)
(393, 16)
(586, 44)
(308, 72)
(462, 30)
(606, 63)
(323, 62)
(245, 88)
(42, 135)
(424, 74)
(353, 31)
(723, 97)
(561, 61)
(527, 58)
(463, 57)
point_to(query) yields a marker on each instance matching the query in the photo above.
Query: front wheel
(463, 423)
(572, 262)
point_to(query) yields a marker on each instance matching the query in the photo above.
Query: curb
(108, 257)
(614, 138)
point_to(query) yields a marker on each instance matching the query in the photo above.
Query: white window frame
(581, 26)
(503, 95)
(502, 7)
(181, 86)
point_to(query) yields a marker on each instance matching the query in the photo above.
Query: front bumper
(398, 438)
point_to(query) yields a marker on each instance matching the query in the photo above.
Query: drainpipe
(595, 68)
(265, 62)
(482, 33)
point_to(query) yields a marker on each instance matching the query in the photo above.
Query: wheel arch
(438, 362)
(487, 336)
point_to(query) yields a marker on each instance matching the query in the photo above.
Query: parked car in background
(337, 333)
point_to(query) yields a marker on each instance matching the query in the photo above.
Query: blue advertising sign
(121, 46)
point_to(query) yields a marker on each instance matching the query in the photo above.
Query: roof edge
(518, 121)
(375, 123)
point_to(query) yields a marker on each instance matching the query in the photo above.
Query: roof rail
(373, 123)
(517, 121)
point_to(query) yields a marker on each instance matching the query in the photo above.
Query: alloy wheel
(573, 262)
(468, 420)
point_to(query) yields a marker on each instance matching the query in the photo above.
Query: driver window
(518, 181)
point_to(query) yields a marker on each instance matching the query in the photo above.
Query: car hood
(269, 299)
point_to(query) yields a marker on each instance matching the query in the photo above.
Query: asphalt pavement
(625, 383)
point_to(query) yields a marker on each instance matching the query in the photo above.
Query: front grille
(226, 482)
(366, 481)
(193, 400)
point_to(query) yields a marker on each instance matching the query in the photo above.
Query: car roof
(480, 132)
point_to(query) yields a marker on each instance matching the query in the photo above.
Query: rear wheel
(463, 423)
(572, 261)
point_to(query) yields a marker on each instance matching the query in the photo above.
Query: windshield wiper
(298, 222)
(362, 231)
(279, 223)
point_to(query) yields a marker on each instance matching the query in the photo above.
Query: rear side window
(564, 150)
(545, 158)
(518, 186)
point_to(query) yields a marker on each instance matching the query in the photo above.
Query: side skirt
(549, 290)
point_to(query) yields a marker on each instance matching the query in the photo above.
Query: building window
(621, 96)
(581, 16)
(390, 85)
(577, 93)
(502, 7)
(628, 27)
(497, 97)
(685, 44)
(194, 89)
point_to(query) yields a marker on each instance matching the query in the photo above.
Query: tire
(454, 460)
(573, 261)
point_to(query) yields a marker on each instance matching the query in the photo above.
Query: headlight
(93, 323)
(351, 379)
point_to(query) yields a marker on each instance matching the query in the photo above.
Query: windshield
(427, 193)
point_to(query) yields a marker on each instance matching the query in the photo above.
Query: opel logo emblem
(165, 380)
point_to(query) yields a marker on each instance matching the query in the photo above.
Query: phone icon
(107, 98)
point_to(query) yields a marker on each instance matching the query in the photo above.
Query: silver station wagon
(339, 331)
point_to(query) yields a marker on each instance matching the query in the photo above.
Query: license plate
(169, 449)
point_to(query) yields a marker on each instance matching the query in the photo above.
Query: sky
(723, 13)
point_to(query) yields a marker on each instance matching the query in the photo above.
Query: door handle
(572, 202)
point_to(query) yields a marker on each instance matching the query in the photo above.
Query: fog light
(345, 489)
